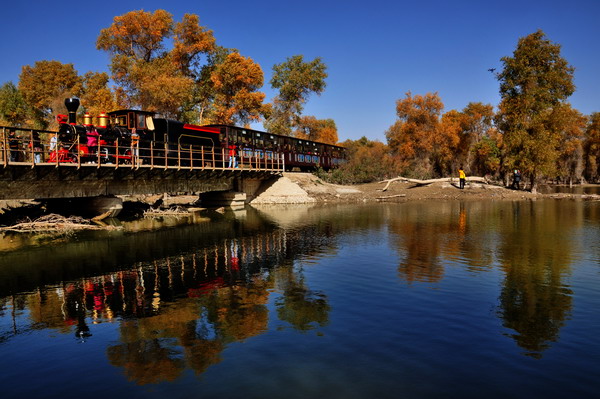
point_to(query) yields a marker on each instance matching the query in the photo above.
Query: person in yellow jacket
(462, 177)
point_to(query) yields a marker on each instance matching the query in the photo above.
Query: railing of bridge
(34, 147)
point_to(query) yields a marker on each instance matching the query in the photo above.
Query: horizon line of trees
(176, 69)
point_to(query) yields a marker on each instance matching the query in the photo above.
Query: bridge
(47, 170)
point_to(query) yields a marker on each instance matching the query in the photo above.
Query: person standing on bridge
(135, 147)
(36, 145)
(13, 145)
(92, 142)
(232, 155)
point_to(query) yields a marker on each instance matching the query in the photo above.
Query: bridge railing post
(202, 156)
(179, 154)
(78, 152)
(98, 151)
(166, 155)
(191, 159)
(4, 148)
(152, 155)
(31, 148)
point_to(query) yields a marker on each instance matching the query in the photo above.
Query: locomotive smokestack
(72, 104)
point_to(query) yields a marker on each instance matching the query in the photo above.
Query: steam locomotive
(121, 132)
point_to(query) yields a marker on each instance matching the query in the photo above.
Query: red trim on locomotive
(201, 128)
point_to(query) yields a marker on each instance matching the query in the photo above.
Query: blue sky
(375, 50)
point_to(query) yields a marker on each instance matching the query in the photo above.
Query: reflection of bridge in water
(206, 296)
(149, 168)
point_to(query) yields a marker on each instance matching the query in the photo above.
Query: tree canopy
(534, 86)
(295, 80)
(45, 86)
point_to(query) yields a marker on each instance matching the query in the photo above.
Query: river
(429, 299)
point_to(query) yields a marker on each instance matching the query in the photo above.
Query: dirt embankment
(305, 188)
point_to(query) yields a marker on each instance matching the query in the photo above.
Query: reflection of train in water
(141, 136)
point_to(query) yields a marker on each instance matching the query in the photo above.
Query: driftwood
(176, 211)
(429, 181)
(391, 196)
(54, 222)
(102, 216)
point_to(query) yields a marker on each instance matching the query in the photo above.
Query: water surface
(417, 300)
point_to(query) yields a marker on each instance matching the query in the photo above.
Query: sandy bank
(307, 188)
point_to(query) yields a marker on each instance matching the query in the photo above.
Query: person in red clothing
(232, 155)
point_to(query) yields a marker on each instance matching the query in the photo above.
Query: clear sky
(375, 50)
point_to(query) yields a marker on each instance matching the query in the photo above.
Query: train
(128, 135)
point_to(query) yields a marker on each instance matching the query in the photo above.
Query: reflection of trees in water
(146, 361)
(299, 306)
(532, 244)
(182, 311)
(535, 253)
(428, 233)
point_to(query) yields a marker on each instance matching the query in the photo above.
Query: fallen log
(390, 196)
(429, 181)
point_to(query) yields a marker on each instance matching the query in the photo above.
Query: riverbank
(306, 188)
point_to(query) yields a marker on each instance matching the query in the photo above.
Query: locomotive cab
(129, 119)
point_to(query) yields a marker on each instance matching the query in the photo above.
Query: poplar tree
(13, 108)
(534, 86)
(295, 80)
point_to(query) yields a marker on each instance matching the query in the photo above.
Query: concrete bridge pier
(244, 190)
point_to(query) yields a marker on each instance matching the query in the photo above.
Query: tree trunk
(533, 184)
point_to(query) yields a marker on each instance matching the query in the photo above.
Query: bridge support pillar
(248, 186)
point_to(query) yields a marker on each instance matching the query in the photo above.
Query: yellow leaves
(321, 130)
(137, 34)
(97, 96)
(412, 137)
(236, 81)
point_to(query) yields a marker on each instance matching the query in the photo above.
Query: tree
(236, 82)
(446, 155)
(295, 80)
(137, 35)
(412, 137)
(45, 87)
(534, 83)
(161, 86)
(149, 77)
(486, 154)
(13, 108)
(196, 54)
(321, 130)
(570, 161)
(476, 125)
(194, 81)
(96, 96)
(592, 147)
(368, 161)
